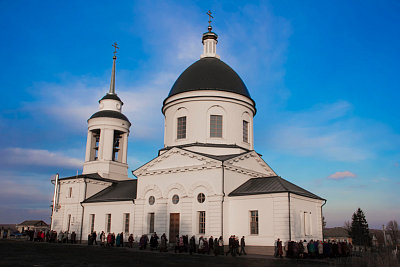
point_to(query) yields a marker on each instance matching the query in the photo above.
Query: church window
(152, 200)
(91, 223)
(108, 223)
(245, 131)
(69, 222)
(181, 131)
(201, 198)
(254, 222)
(202, 222)
(126, 220)
(215, 126)
(151, 222)
(307, 223)
(70, 192)
(175, 199)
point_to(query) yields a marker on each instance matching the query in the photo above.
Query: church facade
(207, 180)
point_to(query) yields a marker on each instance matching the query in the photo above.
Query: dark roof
(94, 176)
(269, 185)
(204, 145)
(209, 74)
(33, 222)
(109, 114)
(118, 191)
(336, 232)
(111, 96)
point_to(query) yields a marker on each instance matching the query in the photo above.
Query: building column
(124, 148)
(107, 144)
(88, 145)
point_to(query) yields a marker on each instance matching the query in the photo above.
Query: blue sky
(324, 75)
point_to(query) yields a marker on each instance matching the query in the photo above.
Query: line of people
(314, 249)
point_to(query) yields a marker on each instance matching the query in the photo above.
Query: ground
(22, 253)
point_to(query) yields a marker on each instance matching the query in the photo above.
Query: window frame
(152, 222)
(152, 200)
(127, 219)
(215, 121)
(201, 198)
(246, 131)
(175, 198)
(201, 222)
(181, 127)
(108, 222)
(92, 218)
(254, 222)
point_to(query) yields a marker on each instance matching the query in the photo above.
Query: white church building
(207, 180)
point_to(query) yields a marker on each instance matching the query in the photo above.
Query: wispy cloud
(24, 156)
(329, 131)
(341, 175)
(396, 164)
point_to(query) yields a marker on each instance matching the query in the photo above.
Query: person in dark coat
(121, 236)
(185, 243)
(216, 246)
(279, 250)
(94, 236)
(220, 246)
(211, 244)
(130, 240)
(242, 246)
(230, 246)
(192, 245)
(327, 250)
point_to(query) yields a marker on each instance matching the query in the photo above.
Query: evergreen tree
(359, 230)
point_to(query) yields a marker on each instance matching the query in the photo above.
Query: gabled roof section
(34, 222)
(118, 191)
(219, 158)
(94, 176)
(269, 185)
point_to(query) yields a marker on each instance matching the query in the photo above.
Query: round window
(152, 199)
(201, 198)
(175, 199)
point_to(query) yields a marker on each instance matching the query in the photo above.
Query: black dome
(111, 96)
(209, 74)
(110, 114)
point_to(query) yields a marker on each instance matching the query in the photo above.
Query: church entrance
(173, 226)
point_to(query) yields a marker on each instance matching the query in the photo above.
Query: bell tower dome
(107, 139)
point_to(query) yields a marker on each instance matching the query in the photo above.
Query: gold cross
(116, 47)
(209, 17)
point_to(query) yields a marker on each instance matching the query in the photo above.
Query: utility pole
(384, 235)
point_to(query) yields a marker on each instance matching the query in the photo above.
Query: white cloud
(24, 156)
(341, 175)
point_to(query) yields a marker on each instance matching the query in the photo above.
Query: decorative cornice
(208, 163)
(248, 172)
(253, 154)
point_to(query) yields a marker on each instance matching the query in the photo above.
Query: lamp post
(384, 235)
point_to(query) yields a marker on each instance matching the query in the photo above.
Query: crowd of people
(314, 249)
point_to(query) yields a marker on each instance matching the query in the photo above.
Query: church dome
(209, 73)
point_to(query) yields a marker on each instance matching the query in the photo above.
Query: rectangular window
(307, 223)
(70, 192)
(215, 126)
(254, 222)
(126, 220)
(245, 131)
(181, 130)
(69, 222)
(108, 223)
(151, 222)
(202, 222)
(91, 223)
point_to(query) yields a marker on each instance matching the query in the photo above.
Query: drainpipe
(54, 201)
(223, 198)
(290, 226)
(322, 222)
(83, 209)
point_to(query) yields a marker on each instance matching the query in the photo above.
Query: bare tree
(393, 229)
(347, 226)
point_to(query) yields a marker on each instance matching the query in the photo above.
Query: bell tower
(107, 139)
